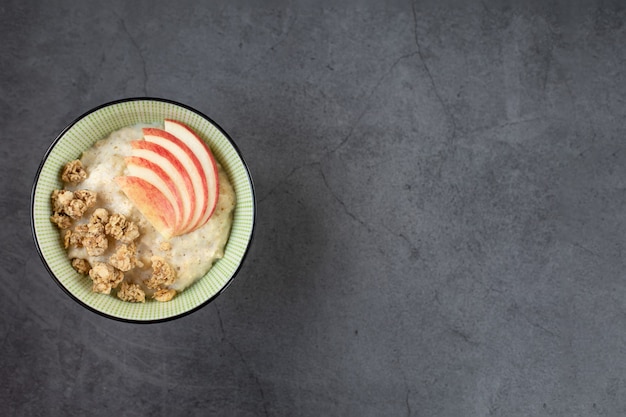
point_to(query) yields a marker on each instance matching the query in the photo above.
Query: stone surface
(441, 193)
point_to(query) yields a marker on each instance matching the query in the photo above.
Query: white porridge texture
(191, 255)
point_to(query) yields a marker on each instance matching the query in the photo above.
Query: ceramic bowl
(97, 124)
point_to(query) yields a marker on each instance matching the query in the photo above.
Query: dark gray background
(441, 194)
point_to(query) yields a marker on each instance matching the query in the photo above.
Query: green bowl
(97, 124)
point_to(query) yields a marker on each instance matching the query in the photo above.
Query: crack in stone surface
(368, 101)
(409, 413)
(420, 54)
(413, 249)
(342, 204)
(589, 251)
(283, 180)
(511, 123)
(283, 37)
(221, 323)
(243, 360)
(407, 404)
(546, 74)
(466, 338)
(518, 311)
(133, 41)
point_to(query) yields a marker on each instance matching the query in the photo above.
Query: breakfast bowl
(80, 136)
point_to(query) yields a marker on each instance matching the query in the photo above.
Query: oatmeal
(108, 238)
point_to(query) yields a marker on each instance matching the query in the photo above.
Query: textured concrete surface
(441, 194)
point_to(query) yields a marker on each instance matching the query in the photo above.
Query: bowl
(97, 124)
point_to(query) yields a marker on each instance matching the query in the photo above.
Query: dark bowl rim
(36, 181)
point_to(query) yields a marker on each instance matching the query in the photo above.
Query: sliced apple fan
(173, 179)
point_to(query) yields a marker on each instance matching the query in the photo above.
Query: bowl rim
(36, 181)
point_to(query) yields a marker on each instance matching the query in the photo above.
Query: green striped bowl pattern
(98, 124)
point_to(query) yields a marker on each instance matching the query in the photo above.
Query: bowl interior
(98, 124)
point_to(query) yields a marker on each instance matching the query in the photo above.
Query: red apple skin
(186, 200)
(135, 161)
(205, 156)
(151, 202)
(197, 186)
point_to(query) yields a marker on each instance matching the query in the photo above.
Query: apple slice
(195, 181)
(166, 161)
(151, 202)
(207, 161)
(157, 176)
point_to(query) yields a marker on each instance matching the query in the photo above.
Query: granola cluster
(73, 172)
(81, 266)
(94, 239)
(131, 293)
(162, 275)
(101, 232)
(121, 229)
(124, 257)
(68, 206)
(164, 294)
(105, 277)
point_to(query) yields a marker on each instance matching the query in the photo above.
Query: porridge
(138, 226)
